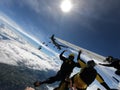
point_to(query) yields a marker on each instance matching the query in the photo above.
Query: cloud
(46, 8)
(34, 4)
(39, 6)
(10, 22)
(86, 54)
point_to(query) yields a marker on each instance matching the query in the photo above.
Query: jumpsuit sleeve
(62, 57)
(82, 64)
(102, 82)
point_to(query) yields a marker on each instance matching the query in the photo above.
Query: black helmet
(91, 63)
(109, 59)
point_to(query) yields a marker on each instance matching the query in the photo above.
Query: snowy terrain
(21, 64)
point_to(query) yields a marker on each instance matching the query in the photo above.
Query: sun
(66, 6)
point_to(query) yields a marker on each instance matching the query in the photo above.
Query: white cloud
(16, 53)
(37, 5)
(12, 23)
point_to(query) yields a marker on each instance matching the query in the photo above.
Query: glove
(105, 85)
(64, 50)
(80, 52)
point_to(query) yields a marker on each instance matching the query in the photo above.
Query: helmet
(91, 63)
(109, 59)
(71, 56)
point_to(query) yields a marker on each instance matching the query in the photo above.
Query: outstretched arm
(108, 65)
(62, 57)
(102, 82)
(80, 61)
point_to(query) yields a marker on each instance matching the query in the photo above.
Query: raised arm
(80, 61)
(62, 57)
(102, 82)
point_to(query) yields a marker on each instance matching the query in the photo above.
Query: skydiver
(59, 46)
(40, 47)
(43, 43)
(64, 72)
(86, 76)
(113, 62)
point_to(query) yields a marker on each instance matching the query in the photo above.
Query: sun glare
(66, 6)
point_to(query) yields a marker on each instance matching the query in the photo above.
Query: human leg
(48, 81)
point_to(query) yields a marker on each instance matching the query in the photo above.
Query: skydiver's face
(71, 58)
(90, 65)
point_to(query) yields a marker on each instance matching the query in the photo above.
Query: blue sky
(91, 24)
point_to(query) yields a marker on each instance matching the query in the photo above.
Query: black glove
(64, 50)
(79, 52)
(78, 57)
(105, 85)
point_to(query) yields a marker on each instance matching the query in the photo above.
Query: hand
(64, 50)
(80, 52)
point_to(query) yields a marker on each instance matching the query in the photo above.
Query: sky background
(91, 24)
